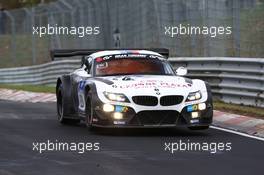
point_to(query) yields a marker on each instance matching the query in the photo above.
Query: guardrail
(44, 74)
(233, 80)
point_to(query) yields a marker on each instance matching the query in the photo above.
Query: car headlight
(194, 96)
(116, 97)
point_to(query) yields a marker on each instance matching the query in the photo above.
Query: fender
(88, 91)
(210, 100)
(209, 92)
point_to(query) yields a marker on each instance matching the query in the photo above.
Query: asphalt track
(121, 151)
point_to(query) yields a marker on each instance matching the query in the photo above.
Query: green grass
(239, 109)
(31, 88)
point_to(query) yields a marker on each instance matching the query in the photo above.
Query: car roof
(117, 52)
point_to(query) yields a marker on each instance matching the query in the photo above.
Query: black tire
(89, 113)
(198, 127)
(62, 118)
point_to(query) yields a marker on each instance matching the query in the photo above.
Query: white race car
(131, 88)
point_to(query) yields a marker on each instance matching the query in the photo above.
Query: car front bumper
(152, 118)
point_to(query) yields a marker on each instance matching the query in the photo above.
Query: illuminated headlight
(195, 114)
(202, 106)
(118, 116)
(108, 108)
(194, 96)
(116, 97)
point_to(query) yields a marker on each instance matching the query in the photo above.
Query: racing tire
(89, 113)
(198, 127)
(61, 109)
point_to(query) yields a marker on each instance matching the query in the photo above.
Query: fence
(234, 80)
(139, 23)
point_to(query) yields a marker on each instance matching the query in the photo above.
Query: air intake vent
(145, 100)
(156, 117)
(171, 100)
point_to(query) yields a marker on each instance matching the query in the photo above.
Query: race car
(131, 88)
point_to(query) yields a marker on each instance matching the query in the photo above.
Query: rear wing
(85, 52)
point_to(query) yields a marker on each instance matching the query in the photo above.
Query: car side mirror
(86, 61)
(181, 71)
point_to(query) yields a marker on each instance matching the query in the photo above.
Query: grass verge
(256, 112)
(31, 88)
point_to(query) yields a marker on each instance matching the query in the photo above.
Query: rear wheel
(198, 127)
(61, 109)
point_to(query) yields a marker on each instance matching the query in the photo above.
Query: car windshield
(118, 65)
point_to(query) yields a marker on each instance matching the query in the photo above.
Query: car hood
(144, 85)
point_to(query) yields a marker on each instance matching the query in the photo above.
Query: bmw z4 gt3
(131, 88)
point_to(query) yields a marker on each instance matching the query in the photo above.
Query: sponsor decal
(194, 121)
(154, 84)
(130, 54)
(119, 122)
(82, 85)
(81, 102)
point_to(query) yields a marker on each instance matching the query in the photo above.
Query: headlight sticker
(192, 108)
(121, 108)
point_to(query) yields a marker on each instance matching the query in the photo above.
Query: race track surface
(121, 152)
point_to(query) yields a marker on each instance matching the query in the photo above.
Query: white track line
(238, 133)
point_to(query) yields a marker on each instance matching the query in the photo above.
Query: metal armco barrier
(233, 80)
(44, 74)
